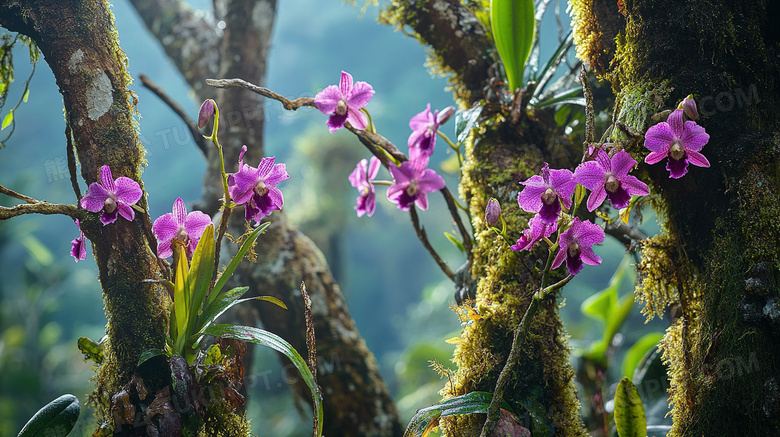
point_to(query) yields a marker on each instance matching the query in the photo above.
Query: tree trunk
(504, 154)
(356, 400)
(79, 43)
(718, 256)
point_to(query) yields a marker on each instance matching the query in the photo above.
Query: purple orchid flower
(112, 196)
(343, 103)
(256, 187)
(576, 243)
(412, 182)
(544, 194)
(425, 126)
(361, 179)
(187, 228)
(537, 229)
(679, 141)
(606, 177)
(78, 248)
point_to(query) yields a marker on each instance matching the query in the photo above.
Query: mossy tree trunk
(503, 153)
(78, 41)
(356, 400)
(719, 257)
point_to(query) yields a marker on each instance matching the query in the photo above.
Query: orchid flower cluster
(549, 195)
(253, 187)
(412, 179)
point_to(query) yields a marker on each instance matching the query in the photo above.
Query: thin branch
(39, 208)
(311, 346)
(290, 105)
(448, 197)
(367, 137)
(626, 234)
(175, 107)
(71, 153)
(424, 238)
(590, 116)
(521, 332)
(11, 193)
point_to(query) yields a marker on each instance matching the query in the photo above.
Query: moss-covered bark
(719, 258)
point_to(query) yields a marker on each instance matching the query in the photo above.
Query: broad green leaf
(465, 121)
(512, 23)
(201, 271)
(56, 419)
(250, 239)
(638, 350)
(265, 338)
(8, 119)
(148, 354)
(606, 307)
(427, 418)
(629, 413)
(91, 349)
(26, 95)
(457, 243)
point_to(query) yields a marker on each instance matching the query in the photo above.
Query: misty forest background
(397, 295)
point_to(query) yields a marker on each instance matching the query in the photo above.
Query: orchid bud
(492, 212)
(205, 113)
(689, 108)
(445, 115)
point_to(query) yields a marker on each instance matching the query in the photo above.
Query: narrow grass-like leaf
(235, 261)
(572, 96)
(455, 242)
(630, 418)
(219, 306)
(512, 23)
(265, 338)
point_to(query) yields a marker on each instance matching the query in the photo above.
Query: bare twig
(199, 140)
(424, 239)
(626, 234)
(74, 182)
(448, 197)
(310, 344)
(590, 116)
(11, 193)
(290, 105)
(39, 208)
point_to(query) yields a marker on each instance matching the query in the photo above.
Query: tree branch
(424, 239)
(14, 194)
(39, 208)
(290, 105)
(175, 107)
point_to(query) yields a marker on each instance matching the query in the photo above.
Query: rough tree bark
(78, 41)
(356, 400)
(718, 258)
